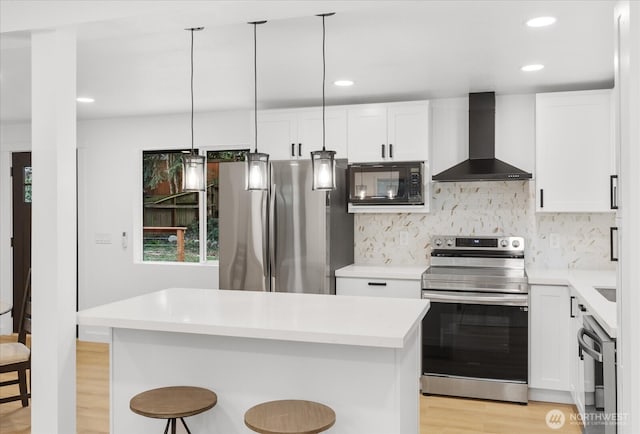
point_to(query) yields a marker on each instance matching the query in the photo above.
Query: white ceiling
(393, 50)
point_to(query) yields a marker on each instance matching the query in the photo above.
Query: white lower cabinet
(374, 287)
(552, 340)
(557, 373)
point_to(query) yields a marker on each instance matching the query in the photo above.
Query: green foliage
(159, 167)
(227, 156)
(213, 231)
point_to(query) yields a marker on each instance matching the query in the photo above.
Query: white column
(53, 107)
(628, 356)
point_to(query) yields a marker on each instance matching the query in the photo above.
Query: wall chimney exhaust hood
(482, 164)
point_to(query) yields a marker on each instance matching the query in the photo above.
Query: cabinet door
(550, 337)
(277, 132)
(408, 131)
(310, 131)
(367, 134)
(574, 151)
(370, 287)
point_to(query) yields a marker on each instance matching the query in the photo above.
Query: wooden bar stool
(173, 403)
(289, 417)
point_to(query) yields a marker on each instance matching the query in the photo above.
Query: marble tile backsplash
(486, 208)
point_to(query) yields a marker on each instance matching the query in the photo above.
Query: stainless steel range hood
(482, 164)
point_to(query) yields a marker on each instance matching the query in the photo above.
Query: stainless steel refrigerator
(287, 239)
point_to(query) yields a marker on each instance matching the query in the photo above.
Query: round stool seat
(173, 402)
(290, 417)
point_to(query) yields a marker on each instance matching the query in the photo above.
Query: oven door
(476, 335)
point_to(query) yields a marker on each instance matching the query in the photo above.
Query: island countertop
(361, 321)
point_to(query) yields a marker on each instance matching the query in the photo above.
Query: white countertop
(362, 321)
(584, 282)
(410, 272)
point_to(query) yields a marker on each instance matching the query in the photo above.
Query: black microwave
(393, 183)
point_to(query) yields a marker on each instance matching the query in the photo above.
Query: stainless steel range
(475, 335)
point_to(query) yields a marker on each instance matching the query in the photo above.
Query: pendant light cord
(323, 81)
(255, 86)
(192, 90)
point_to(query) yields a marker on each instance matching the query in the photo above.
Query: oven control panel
(446, 242)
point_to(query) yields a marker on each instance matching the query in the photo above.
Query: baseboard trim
(545, 395)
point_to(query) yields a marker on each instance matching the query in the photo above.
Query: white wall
(109, 202)
(110, 198)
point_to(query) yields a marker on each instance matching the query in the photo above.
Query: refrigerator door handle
(265, 240)
(272, 235)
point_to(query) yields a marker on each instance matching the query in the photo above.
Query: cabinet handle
(613, 191)
(614, 248)
(377, 283)
(382, 147)
(293, 150)
(390, 150)
(571, 306)
(299, 149)
(541, 198)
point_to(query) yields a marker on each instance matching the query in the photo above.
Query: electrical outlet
(554, 241)
(404, 238)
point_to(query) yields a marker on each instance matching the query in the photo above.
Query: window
(27, 184)
(171, 218)
(171, 223)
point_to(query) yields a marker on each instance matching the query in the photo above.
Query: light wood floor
(438, 415)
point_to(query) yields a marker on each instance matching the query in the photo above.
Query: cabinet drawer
(378, 287)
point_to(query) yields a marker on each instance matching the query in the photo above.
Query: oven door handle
(586, 348)
(475, 298)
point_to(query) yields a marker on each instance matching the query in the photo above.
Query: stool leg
(185, 426)
(166, 429)
(173, 426)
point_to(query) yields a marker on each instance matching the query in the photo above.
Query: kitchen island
(358, 355)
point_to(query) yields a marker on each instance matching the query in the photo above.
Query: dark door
(21, 241)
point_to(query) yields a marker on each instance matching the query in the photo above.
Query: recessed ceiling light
(530, 68)
(343, 83)
(84, 99)
(541, 21)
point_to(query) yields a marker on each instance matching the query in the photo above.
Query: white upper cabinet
(310, 130)
(388, 132)
(293, 134)
(277, 134)
(574, 151)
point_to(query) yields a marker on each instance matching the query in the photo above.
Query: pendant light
(193, 165)
(257, 169)
(323, 162)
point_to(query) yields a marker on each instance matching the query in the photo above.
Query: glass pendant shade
(193, 172)
(257, 171)
(323, 164)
